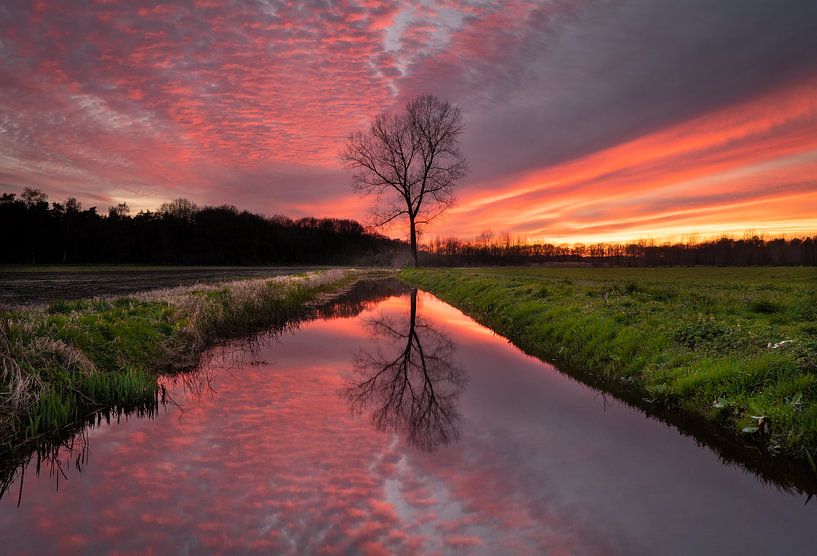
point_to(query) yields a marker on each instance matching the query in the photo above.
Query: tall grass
(60, 363)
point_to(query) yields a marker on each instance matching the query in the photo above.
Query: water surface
(396, 425)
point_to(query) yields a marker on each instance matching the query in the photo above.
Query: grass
(62, 362)
(735, 346)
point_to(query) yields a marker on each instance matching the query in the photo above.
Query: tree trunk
(413, 234)
(412, 314)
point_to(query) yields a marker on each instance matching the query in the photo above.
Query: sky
(585, 121)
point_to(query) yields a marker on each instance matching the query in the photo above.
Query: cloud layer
(586, 120)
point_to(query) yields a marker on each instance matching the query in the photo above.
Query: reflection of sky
(273, 461)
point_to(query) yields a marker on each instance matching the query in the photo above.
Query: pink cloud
(249, 106)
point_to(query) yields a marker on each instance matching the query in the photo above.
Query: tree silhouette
(410, 161)
(179, 233)
(408, 381)
(36, 231)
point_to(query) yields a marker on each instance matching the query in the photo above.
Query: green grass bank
(736, 346)
(62, 362)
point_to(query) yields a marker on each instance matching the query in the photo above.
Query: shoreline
(70, 359)
(512, 304)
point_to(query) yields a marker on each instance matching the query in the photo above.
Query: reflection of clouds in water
(461, 501)
(274, 462)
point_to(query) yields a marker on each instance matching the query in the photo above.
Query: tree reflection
(408, 380)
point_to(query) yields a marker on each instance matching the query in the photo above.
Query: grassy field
(736, 346)
(60, 362)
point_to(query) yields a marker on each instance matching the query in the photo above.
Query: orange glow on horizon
(750, 167)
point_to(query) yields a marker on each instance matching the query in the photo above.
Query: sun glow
(748, 167)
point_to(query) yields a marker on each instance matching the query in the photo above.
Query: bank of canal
(394, 423)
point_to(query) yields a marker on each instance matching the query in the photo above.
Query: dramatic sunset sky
(585, 121)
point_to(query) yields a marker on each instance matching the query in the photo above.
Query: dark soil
(36, 287)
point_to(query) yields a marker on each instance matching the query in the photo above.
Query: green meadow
(735, 346)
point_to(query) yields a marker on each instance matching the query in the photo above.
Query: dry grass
(59, 362)
(211, 311)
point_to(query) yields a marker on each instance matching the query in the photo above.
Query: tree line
(747, 251)
(35, 231)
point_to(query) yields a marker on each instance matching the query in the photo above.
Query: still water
(393, 424)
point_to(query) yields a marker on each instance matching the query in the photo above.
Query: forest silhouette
(37, 231)
(180, 233)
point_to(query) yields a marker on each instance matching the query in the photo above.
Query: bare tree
(410, 161)
(181, 208)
